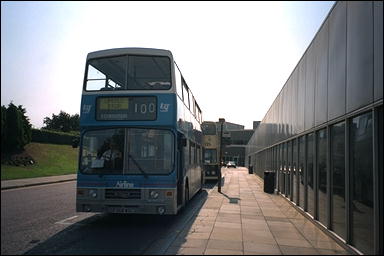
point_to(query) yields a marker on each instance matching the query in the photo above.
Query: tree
(75, 122)
(27, 132)
(15, 138)
(62, 122)
(3, 125)
(15, 128)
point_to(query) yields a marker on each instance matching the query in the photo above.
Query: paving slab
(243, 220)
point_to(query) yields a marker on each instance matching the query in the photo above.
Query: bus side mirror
(75, 143)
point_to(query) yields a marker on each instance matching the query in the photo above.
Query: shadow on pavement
(122, 234)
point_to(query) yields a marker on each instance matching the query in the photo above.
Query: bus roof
(129, 50)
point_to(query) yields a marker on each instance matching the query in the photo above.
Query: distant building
(235, 151)
(255, 124)
(239, 137)
(227, 126)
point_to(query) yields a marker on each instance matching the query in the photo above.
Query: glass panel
(94, 73)
(282, 183)
(289, 169)
(150, 151)
(102, 152)
(149, 73)
(190, 153)
(186, 93)
(179, 85)
(322, 171)
(143, 72)
(210, 156)
(295, 172)
(107, 73)
(310, 178)
(198, 155)
(362, 183)
(190, 101)
(95, 85)
(380, 176)
(301, 170)
(284, 163)
(338, 179)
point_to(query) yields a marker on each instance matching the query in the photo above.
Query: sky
(235, 56)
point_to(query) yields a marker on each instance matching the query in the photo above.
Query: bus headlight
(161, 210)
(153, 194)
(93, 193)
(213, 172)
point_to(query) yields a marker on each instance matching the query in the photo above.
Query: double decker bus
(211, 144)
(141, 140)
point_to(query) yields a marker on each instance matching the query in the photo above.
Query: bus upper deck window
(149, 73)
(129, 73)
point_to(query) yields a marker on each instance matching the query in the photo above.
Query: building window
(289, 169)
(322, 175)
(338, 221)
(301, 171)
(379, 155)
(362, 183)
(283, 167)
(310, 176)
(295, 173)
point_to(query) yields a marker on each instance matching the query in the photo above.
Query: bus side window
(189, 155)
(178, 84)
(186, 93)
(192, 153)
(190, 101)
(197, 155)
(193, 105)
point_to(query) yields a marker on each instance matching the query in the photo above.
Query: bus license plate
(121, 210)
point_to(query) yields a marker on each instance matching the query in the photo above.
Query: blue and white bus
(141, 139)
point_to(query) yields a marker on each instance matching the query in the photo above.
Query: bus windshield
(127, 151)
(129, 73)
(210, 156)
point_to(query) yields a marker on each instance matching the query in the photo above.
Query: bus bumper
(122, 201)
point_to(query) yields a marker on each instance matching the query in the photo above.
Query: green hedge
(53, 137)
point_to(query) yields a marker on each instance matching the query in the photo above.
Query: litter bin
(250, 169)
(269, 182)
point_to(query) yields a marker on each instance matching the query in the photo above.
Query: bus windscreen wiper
(138, 166)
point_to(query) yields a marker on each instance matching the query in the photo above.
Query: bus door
(181, 144)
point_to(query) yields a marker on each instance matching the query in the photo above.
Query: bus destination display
(126, 108)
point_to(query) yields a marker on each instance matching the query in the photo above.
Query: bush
(53, 137)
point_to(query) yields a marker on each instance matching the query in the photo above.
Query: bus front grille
(122, 194)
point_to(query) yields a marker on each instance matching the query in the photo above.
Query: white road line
(64, 220)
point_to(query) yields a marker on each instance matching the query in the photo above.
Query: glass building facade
(323, 134)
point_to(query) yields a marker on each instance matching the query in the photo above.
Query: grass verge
(51, 160)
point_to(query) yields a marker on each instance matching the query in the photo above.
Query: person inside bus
(112, 156)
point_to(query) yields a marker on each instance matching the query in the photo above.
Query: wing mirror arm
(75, 143)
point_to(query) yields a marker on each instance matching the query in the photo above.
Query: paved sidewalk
(240, 220)
(245, 220)
(8, 184)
